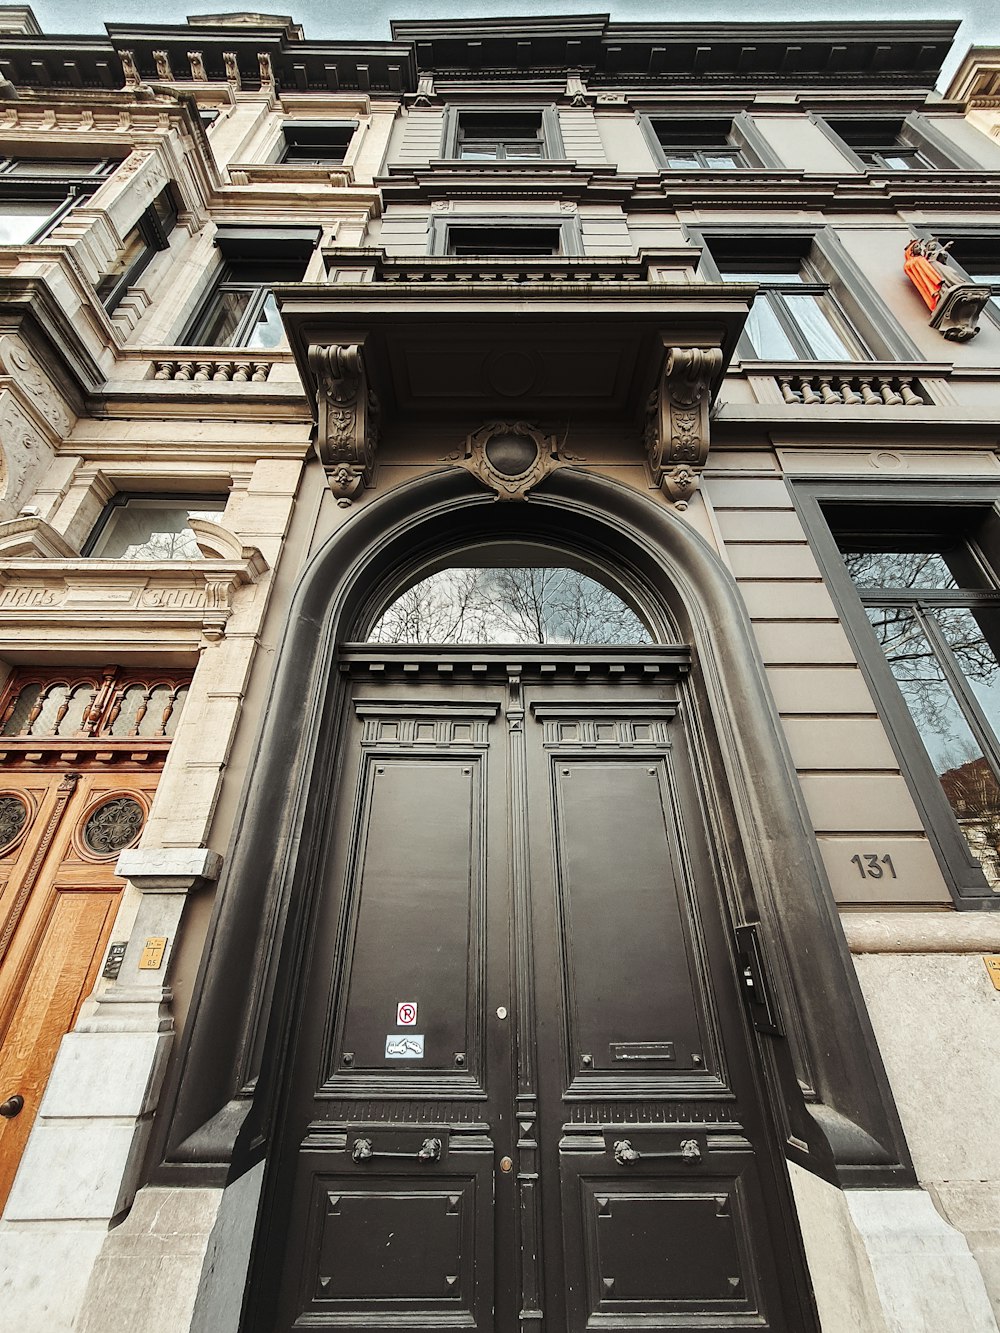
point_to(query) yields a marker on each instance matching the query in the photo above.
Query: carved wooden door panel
(60, 834)
(522, 1095)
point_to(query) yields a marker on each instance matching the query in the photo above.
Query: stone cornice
(868, 54)
(546, 179)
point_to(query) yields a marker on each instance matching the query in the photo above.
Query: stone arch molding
(223, 1097)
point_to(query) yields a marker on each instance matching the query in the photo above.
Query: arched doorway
(522, 1089)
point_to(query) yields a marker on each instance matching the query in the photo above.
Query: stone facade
(688, 293)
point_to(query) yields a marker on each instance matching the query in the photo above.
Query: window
(317, 143)
(491, 137)
(36, 193)
(487, 241)
(886, 144)
(151, 527)
(498, 135)
(492, 237)
(698, 145)
(914, 570)
(241, 310)
(147, 238)
(794, 316)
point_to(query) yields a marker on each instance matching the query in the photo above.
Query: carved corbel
(232, 70)
(676, 433)
(347, 418)
(163, 70)
(425, 90)
(198, 73)
(266, 71)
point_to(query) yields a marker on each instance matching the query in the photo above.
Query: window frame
(550, 135)
(568, 227)
(868, 319)
(62, 192)
(155, 232)
(306, 134)
(248, 245)
(121, 499)
(913, 132)
(743, 135)
(813, 498)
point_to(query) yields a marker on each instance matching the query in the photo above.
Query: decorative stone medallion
(510, 457)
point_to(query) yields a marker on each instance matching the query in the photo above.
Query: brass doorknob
(506, 1165)
(12, 1106)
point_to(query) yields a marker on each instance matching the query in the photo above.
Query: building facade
(500, 586)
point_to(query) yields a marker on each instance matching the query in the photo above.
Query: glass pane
(822, 339)
(966, 777)
(773, 276)
(131, 701)
(478, 152)
(724, 161)
(18, 719)
(19, 220)
(519, 149)
(900, 161)
(899, 569)
(769, 339)
(966, 632)
(520, 604)
(267, 330)
(224, 318)
(678, 161)
(154, 530)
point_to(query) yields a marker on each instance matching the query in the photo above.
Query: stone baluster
(848, 393)
(889, 395)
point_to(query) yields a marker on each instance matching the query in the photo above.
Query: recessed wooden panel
(408, 1252)
(623, 920)
(417, 887)
(661, 1244)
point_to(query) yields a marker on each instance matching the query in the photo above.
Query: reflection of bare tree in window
(974, 796)
(509, 605)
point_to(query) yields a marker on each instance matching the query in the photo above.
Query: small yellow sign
(992, 962)
(151, 958)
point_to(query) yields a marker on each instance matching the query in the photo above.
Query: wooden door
(60, 834)
(523, 1095)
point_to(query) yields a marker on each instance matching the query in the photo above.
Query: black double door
(522, 1093)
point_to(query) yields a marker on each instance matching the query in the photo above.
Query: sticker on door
(404, 1046)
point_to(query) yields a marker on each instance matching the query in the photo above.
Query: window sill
(335, 175)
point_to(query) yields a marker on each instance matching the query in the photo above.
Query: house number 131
(873, 866)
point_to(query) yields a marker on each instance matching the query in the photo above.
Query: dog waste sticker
(404, 1046)
(406, 1014)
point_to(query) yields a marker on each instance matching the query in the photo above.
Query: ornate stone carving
(21, 366)
(232, 70)
(348, 418)
(511, 457)
(676, 432)
(425, 90)
(163, 70)
(955, 305)
(197, 67)
(266, 72)
(133, 79)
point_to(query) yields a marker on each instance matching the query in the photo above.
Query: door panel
(389, 1162)
(62, 976)
(580, 1141)
(58, 907)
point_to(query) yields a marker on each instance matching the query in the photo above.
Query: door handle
(625, 1154)
(429, 1151)
(12, 1106)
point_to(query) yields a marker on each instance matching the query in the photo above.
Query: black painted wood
(526, 862)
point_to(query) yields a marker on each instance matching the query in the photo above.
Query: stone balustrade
(853, 390)
(234, 371)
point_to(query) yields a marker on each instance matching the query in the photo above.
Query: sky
(358, 20)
